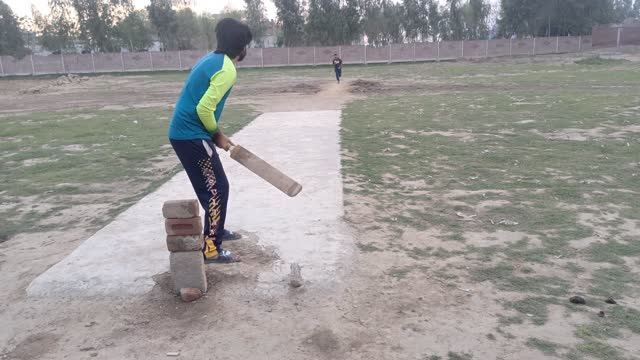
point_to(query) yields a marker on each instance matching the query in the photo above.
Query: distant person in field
(337, 67)
(195, 129)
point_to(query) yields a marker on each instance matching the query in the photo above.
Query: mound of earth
(60, 81)
(365, 86)
(301, 88)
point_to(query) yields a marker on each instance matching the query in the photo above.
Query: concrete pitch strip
(120, 259)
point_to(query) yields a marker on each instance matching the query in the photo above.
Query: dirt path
(124, 92)
(314, 96)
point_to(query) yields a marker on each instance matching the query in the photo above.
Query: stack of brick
(185, 242)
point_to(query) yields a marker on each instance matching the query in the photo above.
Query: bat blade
(269, 173)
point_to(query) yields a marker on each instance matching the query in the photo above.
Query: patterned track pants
(202, 164)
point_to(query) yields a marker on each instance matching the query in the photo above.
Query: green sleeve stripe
(219, 84)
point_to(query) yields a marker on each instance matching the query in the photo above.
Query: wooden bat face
(261, 168)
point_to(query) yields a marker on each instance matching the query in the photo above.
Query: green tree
(97, 21)
(207, 29)
(11, 42)
(413, 18)
(373, 22)
(352, 22)
(423, 29)
(292, 21)
(476, 19)
(455, 21)
(163, 19)
(325, 22)
(444, 29)
(517, 17)
(332, 22)
(134, 31)
(256, 19)
(623, 9)
(435, 21)
(553, 18)
(57, 30)
(316, 28)
(187, 29)
(392, 15)
(229, 12)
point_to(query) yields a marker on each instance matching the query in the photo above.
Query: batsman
(194, 132)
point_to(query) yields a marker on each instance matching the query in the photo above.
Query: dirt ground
(377, 310)
(219, 326)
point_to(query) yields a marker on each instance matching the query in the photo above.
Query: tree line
(343, 22)
(110, 26)
(113, 25)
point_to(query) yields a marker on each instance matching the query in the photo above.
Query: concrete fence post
(389, 46)
(93, 63)
(340, 51)
(510, 47)
(557, 44)
(180, 60)
(262, 57)
(1, 67)
(462, 48)
(438, 56)
(414, 51)
(580, 43)
(486, 49)
(33, 67)
(365, 54)
(288, 56)
(314, 56)
(151, 60)
(534, 45)
(122, 60)
(64, 68)
(619, 36)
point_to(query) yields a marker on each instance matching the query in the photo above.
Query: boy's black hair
(233, 36)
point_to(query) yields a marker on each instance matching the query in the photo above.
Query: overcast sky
(23, 7)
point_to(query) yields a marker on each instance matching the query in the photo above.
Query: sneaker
(224, 257)
(228, 235)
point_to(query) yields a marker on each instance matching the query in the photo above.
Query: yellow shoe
(223, 257)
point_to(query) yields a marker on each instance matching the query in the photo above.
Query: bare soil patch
(303, 88)
(365, 86)
(64, 80)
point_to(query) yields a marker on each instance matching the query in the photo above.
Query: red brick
(191, 226)
(181, 243)
(187, 270)
(181, 209)
(190, 294)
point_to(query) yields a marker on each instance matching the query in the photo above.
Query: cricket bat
(261, 168)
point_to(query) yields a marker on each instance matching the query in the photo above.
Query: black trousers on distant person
(338, 73)
(202, 164)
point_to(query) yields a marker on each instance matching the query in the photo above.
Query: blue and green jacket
(202, 99)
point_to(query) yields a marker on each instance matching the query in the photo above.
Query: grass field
(589, 71)
(515, 181)
(71, 158)
(528, 183)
